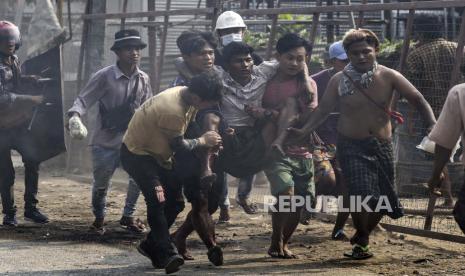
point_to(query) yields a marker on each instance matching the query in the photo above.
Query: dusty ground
(64, 247)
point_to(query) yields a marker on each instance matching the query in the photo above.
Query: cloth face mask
(226, 39)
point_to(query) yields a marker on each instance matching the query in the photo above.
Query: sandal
(275, 254)
(97, 228)
(249, 208)
(359, 253)
(132, 225)
(289, 255)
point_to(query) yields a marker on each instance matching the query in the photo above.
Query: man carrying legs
(154, 134)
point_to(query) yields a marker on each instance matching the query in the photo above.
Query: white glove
(77, 130)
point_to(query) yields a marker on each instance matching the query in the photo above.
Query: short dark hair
(353, 36)
(207, 85)
(428, 26)
(235, 48)
(193, 41)
(291, 41)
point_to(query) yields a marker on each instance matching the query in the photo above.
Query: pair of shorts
(287, 172)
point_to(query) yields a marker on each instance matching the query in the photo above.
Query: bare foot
(276, 252)
(288, 253)
(182, 247)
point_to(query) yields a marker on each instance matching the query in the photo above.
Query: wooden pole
(459, 53)
(152, 41)
(308, 10)
(125, 9)
(85, 31)
(313, 30)
(351, 16)
(329, 28)
(271, 41)
(388, 18)
(430, 211)
(244, 4)
(163, 46)
(216, 11)
(406, 44)
(360, 21)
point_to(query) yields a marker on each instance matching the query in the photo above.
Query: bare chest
(378, 95)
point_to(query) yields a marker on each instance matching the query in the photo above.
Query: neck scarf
(365, 79)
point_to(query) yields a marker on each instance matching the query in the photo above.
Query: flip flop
(136, 226)
(359, 253)
(97, 230)
(275, 254)
(290, 256)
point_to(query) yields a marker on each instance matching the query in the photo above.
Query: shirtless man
(364, 91)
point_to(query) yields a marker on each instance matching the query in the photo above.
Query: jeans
(244, 189)
(7, 180)
(148, 174)
(16, 138)
(105, 161)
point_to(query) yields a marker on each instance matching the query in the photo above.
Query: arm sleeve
(181, 144)
(449, 126)
(92, 92)
(268, 69)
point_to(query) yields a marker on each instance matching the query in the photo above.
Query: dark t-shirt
(328, 130)
(257, 60)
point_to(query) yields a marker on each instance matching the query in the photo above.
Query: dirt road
(65, 247)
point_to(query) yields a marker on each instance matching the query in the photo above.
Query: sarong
(244, 152)
(368, 170)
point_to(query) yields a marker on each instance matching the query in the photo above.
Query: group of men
(230, 112)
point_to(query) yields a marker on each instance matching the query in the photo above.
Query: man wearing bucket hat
(118, 89)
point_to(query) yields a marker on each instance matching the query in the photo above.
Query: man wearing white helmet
(231, 27)
(16, 110)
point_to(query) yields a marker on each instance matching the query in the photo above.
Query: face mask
(226, 39)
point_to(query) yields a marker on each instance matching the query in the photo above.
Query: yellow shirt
(156, 123)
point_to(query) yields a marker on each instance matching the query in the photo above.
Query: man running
(364, 91)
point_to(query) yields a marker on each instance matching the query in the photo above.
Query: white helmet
(229, 19)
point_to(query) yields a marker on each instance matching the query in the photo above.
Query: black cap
(126, 38)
